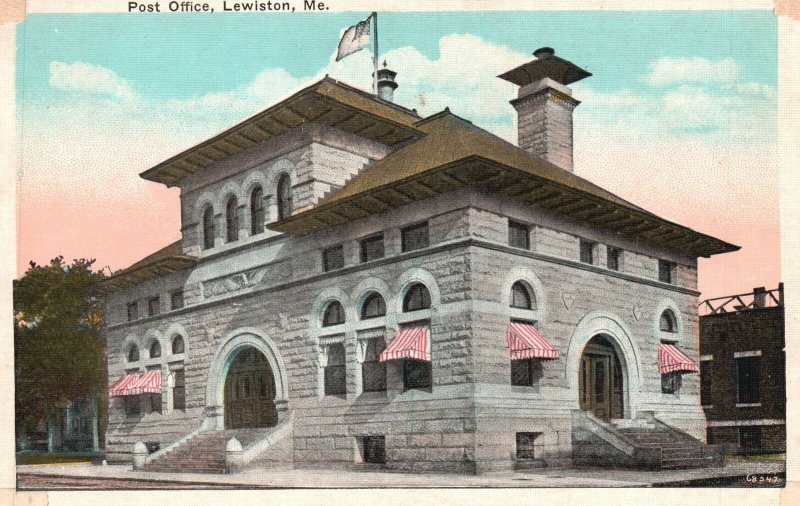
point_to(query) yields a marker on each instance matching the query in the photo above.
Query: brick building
(358, 284)
(743, 370)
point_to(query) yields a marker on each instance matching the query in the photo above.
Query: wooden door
(596, 385)
(249, 392)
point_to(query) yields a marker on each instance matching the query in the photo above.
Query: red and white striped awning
(148, 383)
(410, 342)
(671, 359)
(121, 387)
(524, 341)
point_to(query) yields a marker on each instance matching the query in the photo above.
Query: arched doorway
(601, 381)
(249, 394)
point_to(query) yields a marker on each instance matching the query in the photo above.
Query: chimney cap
(545, 64)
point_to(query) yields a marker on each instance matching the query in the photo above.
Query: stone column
(233, 456)
(139, 455)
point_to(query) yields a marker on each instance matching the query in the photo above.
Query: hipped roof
(454, 153)
(164, 261)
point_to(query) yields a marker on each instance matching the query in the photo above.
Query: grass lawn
(50, 458)
(766, 457)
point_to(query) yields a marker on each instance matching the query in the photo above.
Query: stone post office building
(359, 285)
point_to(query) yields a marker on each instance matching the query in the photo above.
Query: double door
(596, 388)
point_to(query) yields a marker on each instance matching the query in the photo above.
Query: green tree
(59, 355)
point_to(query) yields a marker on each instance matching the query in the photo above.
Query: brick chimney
(545, 104)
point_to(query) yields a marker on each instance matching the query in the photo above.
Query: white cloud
(89, 78)
(668, 70)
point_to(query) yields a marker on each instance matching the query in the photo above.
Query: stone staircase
(643, 443)
(204, 452)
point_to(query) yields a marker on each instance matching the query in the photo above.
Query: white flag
(354, 39)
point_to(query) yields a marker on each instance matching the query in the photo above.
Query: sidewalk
(349, 478)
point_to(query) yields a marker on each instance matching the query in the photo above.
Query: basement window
(526, 445)
(750, 437)
(373, 449)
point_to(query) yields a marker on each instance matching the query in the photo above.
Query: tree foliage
(59, 355)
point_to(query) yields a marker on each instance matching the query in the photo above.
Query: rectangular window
(335, 371)
(587, 252)
(374, 448)
(526, 372)
(333, 258)
(671, 382)
(153, 306)
(518, 235)
(373, 372)
(415, 237)
(133, 311)
(705, 382)
(613, 258)
(417, 374)
(133, 405)
(666, 271)
(748, 378)
(372, 248)
(526, 444)
(179, 391)
(750, 437)
(176, 299)
(152, 403)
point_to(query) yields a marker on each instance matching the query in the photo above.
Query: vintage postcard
(357, 247)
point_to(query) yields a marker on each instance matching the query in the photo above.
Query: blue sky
(681, 105)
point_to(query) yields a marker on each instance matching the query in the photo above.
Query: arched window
(257, 211)
(208, 228)
(155, 349)
(418, 297)
(521, 297)
(133, 354)
(667, 323)
(232, 220)
(177, 345)
(334, 314)
(284, 197)
(374, 306)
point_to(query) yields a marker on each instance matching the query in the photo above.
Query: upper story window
(518, 235)
(521, 297)
(176, 299)
(612, 258)
(153, 306)
(418, 297)
(232, 220)
(333, 258)
(334, 314)
(666, 271)
(336, 370)
(587, 252)
(415, 237)
(374, 306)
(284, 197)
(155, 349)
(178, 346)
(372, 248)
(133, 354)
(668, 322)
(257, 210)
(748, 379)
(208, 228)
(133, 311)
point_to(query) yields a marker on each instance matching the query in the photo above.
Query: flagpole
(375, 53)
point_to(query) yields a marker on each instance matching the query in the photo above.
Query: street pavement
(116, 477)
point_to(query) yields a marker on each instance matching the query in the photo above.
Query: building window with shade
(373, 372)
(335, 370)
(257, 210)
(232, 220)
(208, 228)
(284, 197)
(179, 390)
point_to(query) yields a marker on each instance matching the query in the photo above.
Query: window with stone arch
(133, 353)
(178, 346)
(257, 210)
(155, 349)
(334, 314)
(374, 306)
(208, 228)
(232, 219)
(417, 298)
(284, 197)
(668, 323)
(522, 297)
